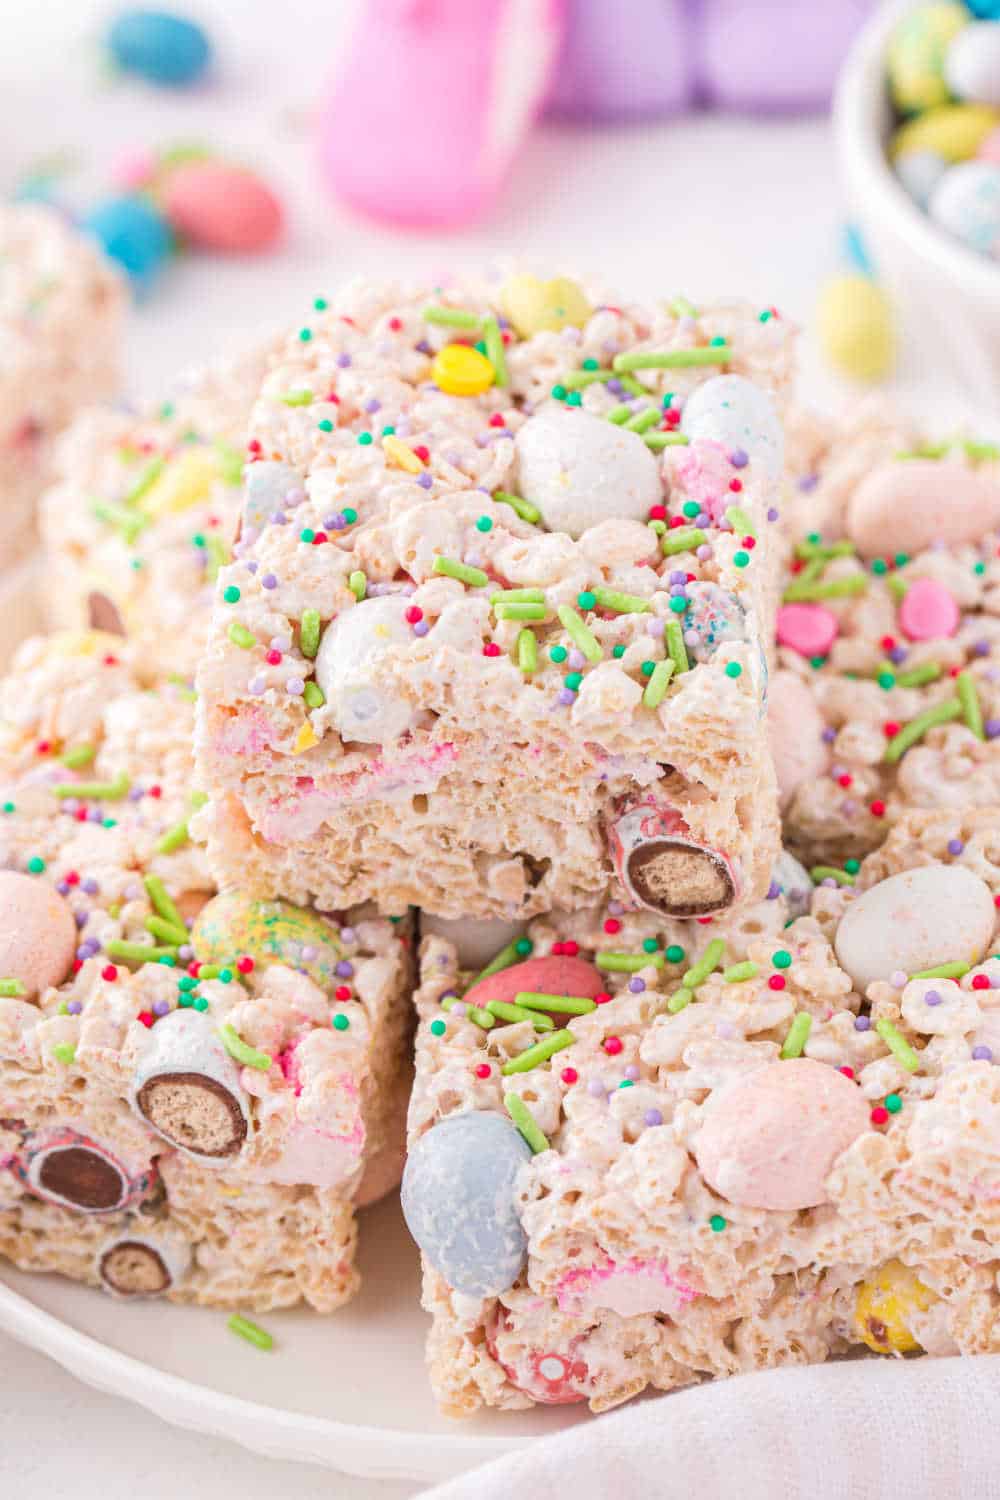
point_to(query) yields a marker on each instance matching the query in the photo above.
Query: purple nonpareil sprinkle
(371, 405)
(739, 458)
(898, 979)
(898, 654)
(425, 481)
(81, 918)
(460, 1009)
(295, 686)
(160, 1007)
(772, 514)
(347, 934)
(596, 1089)
(251, 567)
(982, 1053)
(74, 1008)
(932, 997)
(565, 697)
(63, 887)
(343, 361)
(773, 891)
(345, 969)
(577, 660)
(808, 482)
(95, 815)
(828, 736)
(421, 628)
(862, 1023)
(991, 728)
(90, 886)
(615, 908)
(653, 1117)
(278, 518)
(186, 952)
(637, 985)
(632, 1072)
(980, 648)
(677, 575)
(269, 581)
(955, 846)
(256, 686)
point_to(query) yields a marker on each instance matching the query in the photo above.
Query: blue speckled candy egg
(159, 46)
(713, 616)
(967, 202)
(731, 410)
(458, 1201)
(987, 10)
(132, 232)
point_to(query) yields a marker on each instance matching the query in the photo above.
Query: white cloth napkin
(923, 1429)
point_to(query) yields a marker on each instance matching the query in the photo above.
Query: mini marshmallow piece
(265, 487)
(939, 1007)
(580, 470)
(771, 1137)
(795, 883)
(809, 629)
(713, 617)
(551, 975)
(351, 644)
(795, 730)
(234, 924)
(38, 936)
(75, 1171)
(916, 920)
(477, 939)
(663, 867)
(731, 410)
(187, 1088)
(929, 611)
(458, 1198)
(905, 506)
(143, 1263)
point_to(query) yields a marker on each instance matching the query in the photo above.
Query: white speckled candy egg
(351, 645)
(966, 202)
(904, 507)
(459, 1204)
(731, 410)
(771, 1138)
(972, 64)
(916, 920)
(264, 490)
(920, 172)
(792, 878)
(37, 933)
(580, 470)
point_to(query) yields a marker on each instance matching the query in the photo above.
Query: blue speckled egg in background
(458, 1201)
(132, 232)
(159, 46)
(967, 203)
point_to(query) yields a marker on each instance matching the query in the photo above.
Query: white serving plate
(348, 1391)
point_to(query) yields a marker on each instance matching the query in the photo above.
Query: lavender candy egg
(731, 410)
(967, 202)
(713, 616)
(458, 1201)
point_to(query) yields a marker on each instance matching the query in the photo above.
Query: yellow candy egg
(915, 60)
(955, 131)
(536, 306)
(234, 924)
(885, 1304)
(460, 371)
(185, 482)
(854, 323)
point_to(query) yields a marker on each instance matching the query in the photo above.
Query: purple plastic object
(625, 60)
(774, 55)
(434, 100)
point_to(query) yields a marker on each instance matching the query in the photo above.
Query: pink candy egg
(903, 507)
(809, 629)
(220, 207)
(795, 730)
(928, 611)
(554, 975)
(37, 933)
(771, 1138)
(989, 149)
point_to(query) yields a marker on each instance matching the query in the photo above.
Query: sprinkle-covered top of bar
(569, 498)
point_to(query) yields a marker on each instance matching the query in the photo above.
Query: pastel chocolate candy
(352, 644)
(886, 1303)
(771, 1137)
(931, 915)
(972, 64)
(550, 1375)
(731, 410)
(536, 306)
(663, 867)
(915, 58)
(140, 1264)
(929, 611)
(76, 1171)
(855, 327)
(458, 1198)
(794, 883)
(903, 507)
(477, 939)
(552, 975)
(809, 629)
(187, 1088)
(580, 470)
(222, 207)
(234, 924)
(954, 131)
(966, 202)
(37, 933)
(159, 46)
(103, 614)
(795, 730)
(713, 617)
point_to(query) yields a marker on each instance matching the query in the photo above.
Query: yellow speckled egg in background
(855, 327)
(270, 932)
(954, 131)
(885, 1306)
(917, 51)
(536, 306)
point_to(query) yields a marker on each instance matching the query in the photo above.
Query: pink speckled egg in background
(221, 207)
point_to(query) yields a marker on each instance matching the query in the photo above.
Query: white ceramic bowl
(946, 296)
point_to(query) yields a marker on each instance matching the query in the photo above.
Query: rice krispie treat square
(494, 641)
(61, 311)
(643, 1166)
(887, 697)
(197, 1089)
(143, 514)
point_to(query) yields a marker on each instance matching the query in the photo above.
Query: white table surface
(701, 206)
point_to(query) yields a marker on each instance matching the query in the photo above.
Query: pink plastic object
(434, 100)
